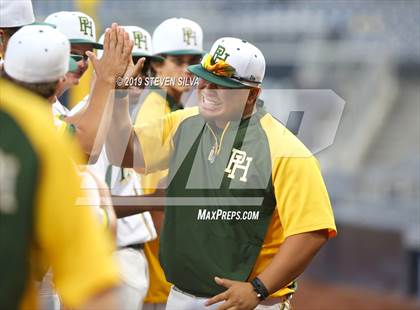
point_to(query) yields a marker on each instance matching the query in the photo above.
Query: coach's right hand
(116, 56)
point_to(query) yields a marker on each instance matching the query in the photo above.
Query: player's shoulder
(182, 115)
(152, 105)
(33, 116)
(155, 98)
(282, 142)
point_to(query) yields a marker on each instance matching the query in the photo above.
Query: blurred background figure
(40, 225)
(132, 231)
(14, 15)
(368, 54)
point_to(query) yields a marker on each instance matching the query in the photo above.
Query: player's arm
(131, 205)
(306, 216)
(295, 255)
(122, 146)
(307, 220)
(144, 147)
(158, 216)
(91, 122)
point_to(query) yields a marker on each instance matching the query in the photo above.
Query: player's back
(37, 207)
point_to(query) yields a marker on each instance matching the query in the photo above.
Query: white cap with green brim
(178, 36)
(37, 54)
(142, 43)
(78, 27)
(14, 13)
(232, 63)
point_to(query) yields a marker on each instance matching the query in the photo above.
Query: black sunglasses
(77, 57)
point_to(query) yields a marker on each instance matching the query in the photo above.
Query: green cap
(94, 44)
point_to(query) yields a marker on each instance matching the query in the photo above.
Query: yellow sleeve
(156, 138)
(153, 107)
(302, 199)
(66, 236)
(71, 239)
(75, 246)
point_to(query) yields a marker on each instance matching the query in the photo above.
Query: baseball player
(39, 222)
(132, 231)
(79, 28)
(179, 42)
(13, 16)
(22, 68)
(247, 208)
(26, 73)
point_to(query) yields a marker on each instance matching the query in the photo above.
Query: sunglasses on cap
(222, 68)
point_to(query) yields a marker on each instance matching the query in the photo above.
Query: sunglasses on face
(77, 57)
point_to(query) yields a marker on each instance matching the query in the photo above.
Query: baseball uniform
(37, 201)
(234, 193)
(175, 37)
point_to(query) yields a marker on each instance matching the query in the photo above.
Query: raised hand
(116, 56)
(132, 71)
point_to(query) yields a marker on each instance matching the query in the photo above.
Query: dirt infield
(317, 295)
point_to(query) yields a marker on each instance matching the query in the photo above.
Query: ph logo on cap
(232, 63)
(190, 36)
(78, 27)
(86, 25)
(219, 54)
(140, 40)
(142, 43)
(178, 36)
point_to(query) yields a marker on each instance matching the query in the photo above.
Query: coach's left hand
(238, 296)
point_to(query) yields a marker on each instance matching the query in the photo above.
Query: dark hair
(43, 89)
(10, 30)
(152, 70)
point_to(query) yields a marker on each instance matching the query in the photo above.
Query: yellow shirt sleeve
(156, 138)
(67, 237)
(75, 246)
(303, 204)
(302, 199)
(154, 107)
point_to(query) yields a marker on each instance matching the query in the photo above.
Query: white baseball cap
(78, 27)
(142, 42)
(178, 36)
(232, 63)
(16, 13)
(37, 53)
